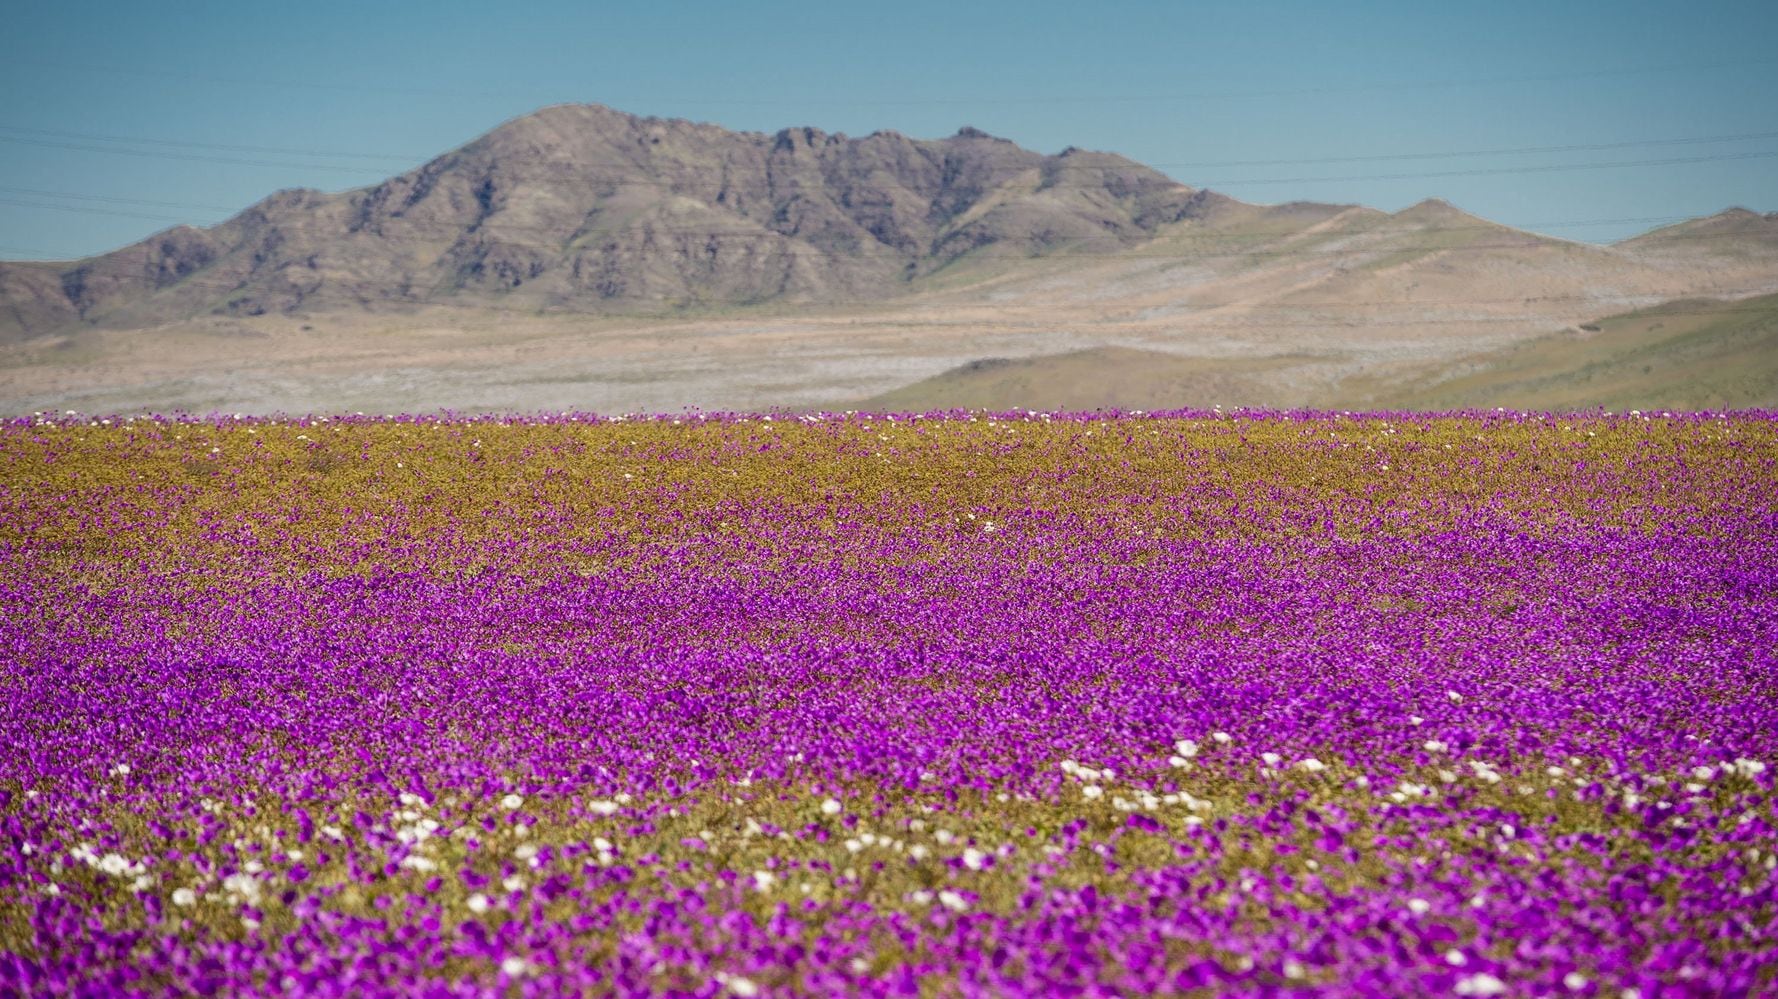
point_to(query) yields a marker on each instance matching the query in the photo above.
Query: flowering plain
(1190, 703)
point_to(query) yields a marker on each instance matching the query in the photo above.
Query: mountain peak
(1432, 208)
(971, 132)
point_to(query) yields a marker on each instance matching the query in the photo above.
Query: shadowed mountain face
(588, 209)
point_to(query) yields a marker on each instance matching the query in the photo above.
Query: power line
(117, 200)
(1420, 155)
(189, 157)
(726, 101)
(1508, 151)
(1040, 168)
(85, 210)
(186, 144)
(1496, 171)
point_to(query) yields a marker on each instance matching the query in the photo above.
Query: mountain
(588, 209)
(583, 258)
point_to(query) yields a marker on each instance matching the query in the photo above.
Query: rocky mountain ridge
(580, 207)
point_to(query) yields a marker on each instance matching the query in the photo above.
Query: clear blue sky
(1199, 89)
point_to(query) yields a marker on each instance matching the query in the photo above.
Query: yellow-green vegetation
(1691, 354)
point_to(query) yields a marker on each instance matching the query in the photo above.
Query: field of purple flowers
(1191, 704)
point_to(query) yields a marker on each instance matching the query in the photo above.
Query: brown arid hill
(583, 258)
(583, 208)
(1692, 354)
(1737, 234)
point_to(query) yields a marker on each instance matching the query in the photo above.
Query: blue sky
(336, 95)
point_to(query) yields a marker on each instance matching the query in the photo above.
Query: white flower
(742, 986)
(974, 859)
(1455, 958)
(1092, 790)
(184, 896)
(1186, 748)
(919, 851)
(1575, 981)
(602, 807)
(1222, 737)
(113, 864)
(410, 799)
(1436, 745)
(830, 807)
(419, 863)
(242, 885)
(513, 883)
(511, 803)
(1703, 773)
(951, 900)
(1415, 720)
(1748, 767)
(1312, 765)
(1419, 906)
(1455, 697)
(1271, 759)
(478, 903)
(1480, 984)
(764, 880)
(513, 966)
